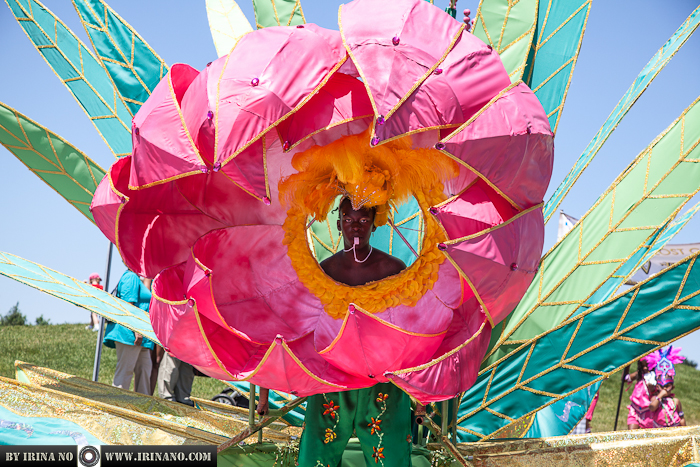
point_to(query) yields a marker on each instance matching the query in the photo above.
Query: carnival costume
(662, 363)
(231, 166)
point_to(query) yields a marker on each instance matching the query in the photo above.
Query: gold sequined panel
(655, 447)
(110, 424)
(165, 410)
(214, 418)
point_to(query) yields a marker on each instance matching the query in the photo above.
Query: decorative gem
(254, 82)
(395, 40)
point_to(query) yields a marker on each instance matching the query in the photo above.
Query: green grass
(70, 348)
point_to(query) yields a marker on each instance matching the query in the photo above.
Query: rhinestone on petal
(217, 167)
(442, 247)
(203, 169)
(395, 40)
(440, 146)
(266, 200)
(380, 120)
(374, 141)
(286, 146)
(351, 308)
(136, 130)
(210, 115)
(433, 210)
(300, 26)
(254, 82)
(190, 302)
(438, 71)
(514, 267)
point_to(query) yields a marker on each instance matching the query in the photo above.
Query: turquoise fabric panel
(276, 400)
(71, 60)
(559, 362)
(133, 65)
(643, 80)
(409, 223)
(560, 418)
(18, 430)
(555, 47)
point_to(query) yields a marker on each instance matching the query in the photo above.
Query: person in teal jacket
(133, 350)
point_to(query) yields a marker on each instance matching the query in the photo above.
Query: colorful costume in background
(132, 360)
(233, 165)
(662, 363)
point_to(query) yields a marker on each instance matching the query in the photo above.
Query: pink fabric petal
(500, 259)
(469, 77)
(367, 345)
(296, 368)
(390, 46)
(178, 327)
(341, 100)
(510, 145)
(106, 202)
(161, 155)
(154, 227)
(255, 290)
(456, 364)
(268, 74)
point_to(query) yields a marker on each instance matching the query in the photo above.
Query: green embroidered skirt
(379, 416)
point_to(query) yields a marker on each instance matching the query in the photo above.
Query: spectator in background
(175, 379)
(133, 350)
(94, 281)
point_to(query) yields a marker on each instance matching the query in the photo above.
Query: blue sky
(621, 37)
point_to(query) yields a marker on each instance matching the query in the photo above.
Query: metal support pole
(625, 372)
(251, 405)
(455, 409)
(391, 223)
(101, 332)
(444, 408)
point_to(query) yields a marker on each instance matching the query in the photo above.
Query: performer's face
(354, 224)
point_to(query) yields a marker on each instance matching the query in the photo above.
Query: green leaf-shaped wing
(79, 70)
(132, 65)
(582, 350)
(640, 84)
(76, 292)
(641, 201)
(64, 168)
(278, 13)
(227, 24)
(509, 27)
(558, 37)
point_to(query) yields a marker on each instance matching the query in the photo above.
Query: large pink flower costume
(237, 292)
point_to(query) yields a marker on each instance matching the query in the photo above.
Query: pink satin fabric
(196, 205)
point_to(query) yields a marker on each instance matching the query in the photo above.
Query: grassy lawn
(70, 348)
